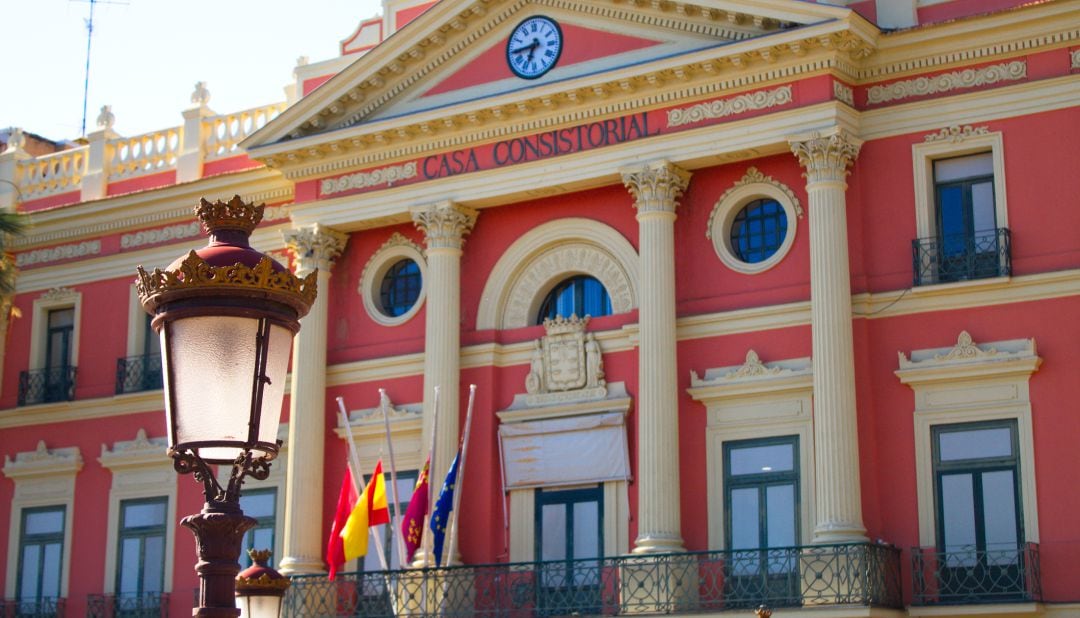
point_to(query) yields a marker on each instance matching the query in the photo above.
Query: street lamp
(260, 588)
(226, 315)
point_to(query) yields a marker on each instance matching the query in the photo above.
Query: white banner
(565, 451)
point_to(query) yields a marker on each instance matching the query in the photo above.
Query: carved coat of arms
(566, 359)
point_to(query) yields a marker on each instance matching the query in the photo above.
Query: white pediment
(454, 54)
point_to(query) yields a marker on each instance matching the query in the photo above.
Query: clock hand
(532, 46)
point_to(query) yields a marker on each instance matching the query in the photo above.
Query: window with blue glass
(580, 295)
(400, 288)
(968, 243)
(140, 570)
(41, 549)
(758, 230)
(260, 504)
(569, 542)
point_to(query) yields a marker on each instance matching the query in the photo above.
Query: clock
(534, 47)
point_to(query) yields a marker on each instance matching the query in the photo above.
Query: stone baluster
(302, 547)
(444, 225)
(826, 157)
(656, 189)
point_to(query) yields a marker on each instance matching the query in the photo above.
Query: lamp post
(260, 588)
(226, 315)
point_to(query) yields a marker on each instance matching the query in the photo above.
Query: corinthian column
(656, 189)
(312, 247)
(444, 225)
(826, 158)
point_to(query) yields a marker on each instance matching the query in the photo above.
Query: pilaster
(95, 180)
(656, 189)
(445, 225)
(313, 247)
(189, 161)
(826, 157)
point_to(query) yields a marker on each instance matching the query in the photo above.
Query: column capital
(315, 246)
(444, 224)
(826, 155)
(656, 186)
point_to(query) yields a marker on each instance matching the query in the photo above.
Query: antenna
(89, 39)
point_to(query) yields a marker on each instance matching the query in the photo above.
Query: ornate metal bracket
(187, 462)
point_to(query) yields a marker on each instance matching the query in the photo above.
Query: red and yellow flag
(335, 550)
(371, 510)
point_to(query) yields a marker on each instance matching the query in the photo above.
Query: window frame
(934, 148)
(395, 249)
(567, 497)
(761, 481)
(568, 283)
(56, 298)
(142, 533)
(44, 539)
(752, 187)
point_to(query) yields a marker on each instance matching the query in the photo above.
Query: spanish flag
(371, 510)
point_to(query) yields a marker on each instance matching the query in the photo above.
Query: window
(761, 507)
(400, 288)
(758, 230)
(392, 284)
(141, 372)
(978, 511)
(581, 295)
(59, 332)
(569, 532)
(41, 548)
(753, 224)
(961, 219)
(54, 348)
(140, 570)
(260, 504)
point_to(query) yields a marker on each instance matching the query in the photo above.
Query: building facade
(757, 296)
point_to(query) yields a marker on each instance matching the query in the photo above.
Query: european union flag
(440, 517)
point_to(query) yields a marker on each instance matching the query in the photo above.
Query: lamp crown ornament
(260, 578)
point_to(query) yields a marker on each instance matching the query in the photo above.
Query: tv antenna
(89, 39)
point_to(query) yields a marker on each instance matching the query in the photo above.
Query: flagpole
(458, 482)
(354, 454)
(396, 525)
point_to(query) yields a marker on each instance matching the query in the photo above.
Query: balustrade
(44, 607)
(144, 154)
(146, 605)
(50, 174)
(226, 131)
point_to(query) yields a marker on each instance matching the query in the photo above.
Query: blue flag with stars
(440, 517)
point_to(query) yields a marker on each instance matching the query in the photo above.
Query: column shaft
(836, 440)
(656, 189)
(302, 547)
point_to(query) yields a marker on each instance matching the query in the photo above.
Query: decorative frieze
(956, 134)
(1074, 56)
(383, 176)
(967, 351)
(56, 254)
(59, 294)
(762, 99)
(275, 213)
(163, 234)
(139, 452)
(945, 82)
(843, 93)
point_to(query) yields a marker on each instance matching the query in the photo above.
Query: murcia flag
(412, 526)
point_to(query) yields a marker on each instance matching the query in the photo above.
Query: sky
(146, 56)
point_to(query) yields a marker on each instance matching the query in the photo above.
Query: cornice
(82, 410)
(148, 208)
(780, 56)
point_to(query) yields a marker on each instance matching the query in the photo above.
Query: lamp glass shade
(210, 365)
(259, 605)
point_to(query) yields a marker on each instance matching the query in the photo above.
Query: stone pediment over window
(368, 429)
(752, 377)
(43, 461)
(448, 69)
(968, 359)
(141, 451)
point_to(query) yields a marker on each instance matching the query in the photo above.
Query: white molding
(546, 255)
(965, 383)
(42, 477)
(750, 401)
(955, 141)
(55, 298)
(57, 253)
(140, 469)
(753, 185)
(722, 108)
(154, 236)
(946, 82)
(395, 249)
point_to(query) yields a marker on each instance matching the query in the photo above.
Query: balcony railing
(146, 605)
(138, 373)
(46, 385)
(962, 257)
(853, 574)
(45, 607)
(976, 576)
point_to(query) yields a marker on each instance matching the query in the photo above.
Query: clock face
(534, 47)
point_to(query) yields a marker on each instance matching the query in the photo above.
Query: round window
(400, 288)
(758, 231)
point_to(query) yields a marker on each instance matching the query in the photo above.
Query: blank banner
(565, 451)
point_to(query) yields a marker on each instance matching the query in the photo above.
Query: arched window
(581, 295)
(758, 230)
(400, 287)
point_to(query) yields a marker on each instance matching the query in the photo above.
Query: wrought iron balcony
(138, 373)
(46, 385)
(146, 605)
(976, 576)
(852, 574)
(962, 257)
(45, 607)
